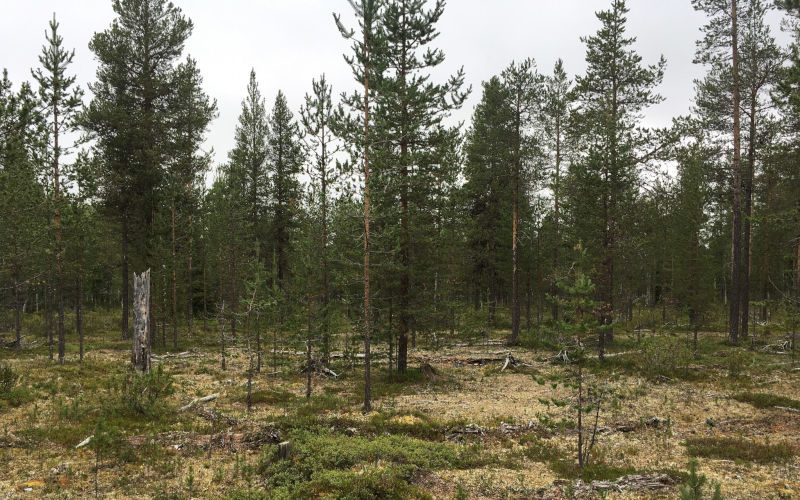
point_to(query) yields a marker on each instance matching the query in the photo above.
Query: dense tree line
(368, 215)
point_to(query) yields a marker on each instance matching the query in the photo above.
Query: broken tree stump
(285, 450)
(428, 371)
(140, 355)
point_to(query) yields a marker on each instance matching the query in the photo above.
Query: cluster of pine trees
(368, 215)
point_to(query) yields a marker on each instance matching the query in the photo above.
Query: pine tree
(61, 102)
(22, 196)
(616, 88)
(192, 112)
(285, 161)
(758, 60)
(689, 218)
(488, 177)
(721, 37)
(523, 89)
(131, 119)
(366, 63)
(249, 158)
(409, 108)
(554, 117)
(318, 116)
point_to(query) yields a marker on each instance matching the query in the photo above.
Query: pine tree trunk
(174, 286)
(205, 298)
(736, 267)
(48, 308)
(79, 314)
(367, 248)
(452, 305)
(744, 290)
(556, 221)
(189, 277)
(18, 309)
(125, 277)
(515, 252)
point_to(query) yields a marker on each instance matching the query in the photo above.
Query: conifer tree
(130, 118)
(285, 161)
(318, 116)
(488, 175)
(523, 89)
(720, 47)
(61, 101)
(409, 108)
(22, 196)
(249, 159)
(366, 63)
(554, 117)
(616, 88)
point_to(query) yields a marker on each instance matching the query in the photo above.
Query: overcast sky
(289, 42)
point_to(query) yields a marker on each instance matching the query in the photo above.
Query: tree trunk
(556, 221)
(514, 235)
(79, 314)
(140, 356)
(125, 277)
(747, 186)
(18, 310)
(189, 277)
(57, 222)
(367, 249)
(174, 286)
(733, 328)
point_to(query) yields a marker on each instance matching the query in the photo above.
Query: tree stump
(140, 355)
(285, 450)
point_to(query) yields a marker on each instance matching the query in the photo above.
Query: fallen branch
(204, 399)
(178, 355)
(786, 408)
(84, 442)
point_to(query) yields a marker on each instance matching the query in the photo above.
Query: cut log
(140, 355)
(204, 399)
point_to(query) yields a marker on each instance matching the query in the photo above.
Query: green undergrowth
(764, 400)
(739, 449)
(329, 464)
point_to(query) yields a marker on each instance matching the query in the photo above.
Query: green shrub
(325, 464)
(729, 448)
(10, 393)
(693, 488)
(762, 400)
(736, 361)
(664, 357)
(142, 393)
(8, 379)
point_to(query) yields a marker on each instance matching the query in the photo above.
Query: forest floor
(474, 430)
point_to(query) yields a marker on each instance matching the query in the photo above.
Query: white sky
(289, 42)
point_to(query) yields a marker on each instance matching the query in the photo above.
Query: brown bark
(57, 222)
(125, 277)
(556, 220)
(736, 266)
(744, 286)
(18, 309)
(514, 232)
(174, 286)
(79, 314)
(367, 306)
